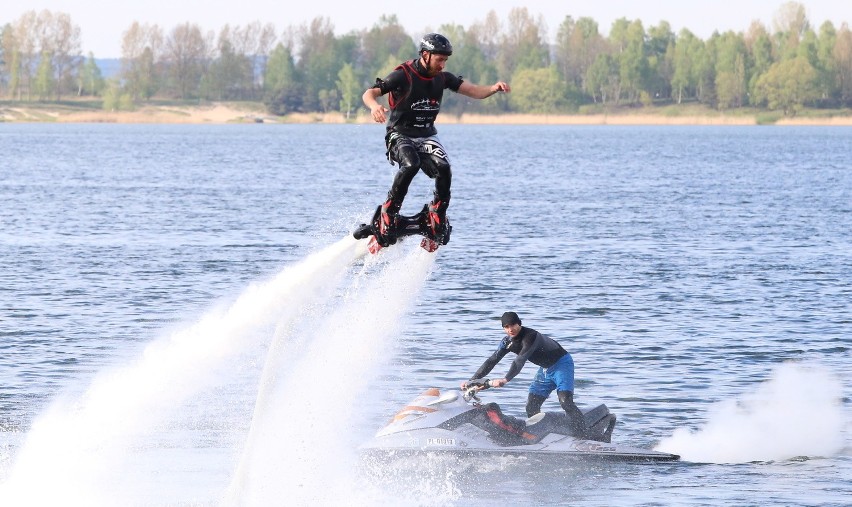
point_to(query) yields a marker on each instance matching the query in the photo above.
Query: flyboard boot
(439, 226)
(385, 226)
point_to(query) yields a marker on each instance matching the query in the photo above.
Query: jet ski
(459, 422)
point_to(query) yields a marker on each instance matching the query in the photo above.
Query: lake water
(184, 319)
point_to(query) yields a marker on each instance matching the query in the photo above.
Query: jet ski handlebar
(473, 386)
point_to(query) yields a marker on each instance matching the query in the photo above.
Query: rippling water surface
(183, 320)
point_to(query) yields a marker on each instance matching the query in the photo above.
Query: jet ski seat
(599, 421)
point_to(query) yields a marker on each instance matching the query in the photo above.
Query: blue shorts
(560, 376)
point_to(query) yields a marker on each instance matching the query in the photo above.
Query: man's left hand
(500, 382)
(500, 86)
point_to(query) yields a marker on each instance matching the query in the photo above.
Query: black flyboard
(414, 225)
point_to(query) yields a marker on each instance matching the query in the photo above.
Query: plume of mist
(797, 412)
(81, 444)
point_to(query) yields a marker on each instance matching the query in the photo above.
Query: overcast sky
(103, 22)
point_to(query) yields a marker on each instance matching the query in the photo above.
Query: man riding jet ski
(555, 373)
(454, 423)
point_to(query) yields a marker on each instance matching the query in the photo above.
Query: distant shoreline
(231, 113)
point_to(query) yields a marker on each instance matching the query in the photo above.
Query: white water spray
(78, 450)
(300, 447)
(798, 412)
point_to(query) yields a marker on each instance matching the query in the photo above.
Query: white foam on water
(796, 413)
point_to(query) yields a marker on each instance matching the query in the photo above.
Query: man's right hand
(378, 113)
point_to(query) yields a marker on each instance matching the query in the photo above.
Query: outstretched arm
(483, 91)
(488, 365)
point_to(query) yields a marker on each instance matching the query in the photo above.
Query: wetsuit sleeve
(530, 343)
(452, 81)
(396, 80)
(490, 363)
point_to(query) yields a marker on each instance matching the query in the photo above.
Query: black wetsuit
(528, 344)
(415, 99)
(411, 140)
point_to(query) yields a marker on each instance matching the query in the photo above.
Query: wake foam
(796, 413)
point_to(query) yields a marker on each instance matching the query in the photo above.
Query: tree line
(310, 69)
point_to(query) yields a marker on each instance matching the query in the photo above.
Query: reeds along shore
(229, 113)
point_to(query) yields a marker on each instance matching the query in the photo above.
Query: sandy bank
(221, 113)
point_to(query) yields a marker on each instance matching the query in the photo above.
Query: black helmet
(436, 43)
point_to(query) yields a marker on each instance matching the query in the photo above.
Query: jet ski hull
(447, 423)
(445, 442)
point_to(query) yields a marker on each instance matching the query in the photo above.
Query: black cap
(510, 318)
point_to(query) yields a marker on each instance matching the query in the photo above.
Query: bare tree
(186, 54)
(251, 44)
(20, 47)
(265, 41)
(577, 47)
(791, 18)
(790, 24)
(524, 44)
(487, 35)
(843, 58)
(141, 49)
(66, 52)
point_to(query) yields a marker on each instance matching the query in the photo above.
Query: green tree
(349, 90)
(328, 99)
(633, 62)
(686, 51)
(730, 70)
(825, 64)
(660, 54)
(788, 85)
(704, 70)
(282, 86)
(89, 80)
(114, 99)
(541, 90)
(44, 77)
(470, 62)
(603, 79)
(386, 40)
(731, 85)
(320, 60)
(759, 45)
